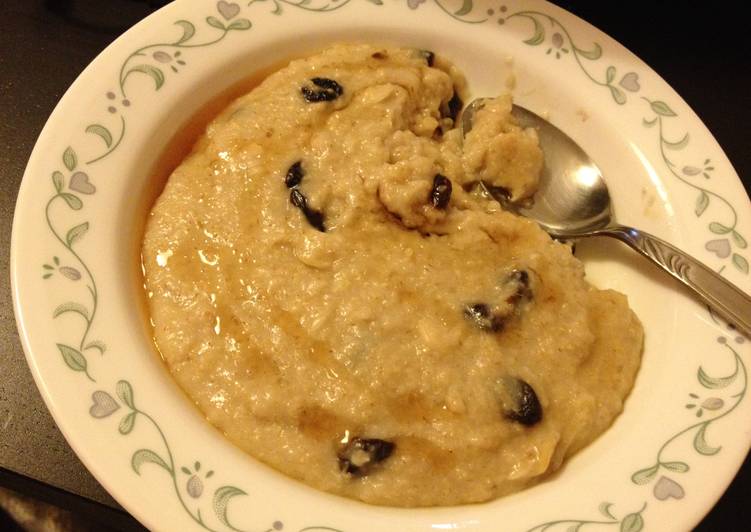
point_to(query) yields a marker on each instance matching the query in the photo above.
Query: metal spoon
(573, 202)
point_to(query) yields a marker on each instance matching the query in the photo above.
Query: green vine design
(333, 5)
(461, 13)
(633, 522)
(663, 112)
(106, 136)
(73, 357)
(185, 41)
(562, 42)
(104, 405)
(699, 429)
(328, 5)
(155, 68)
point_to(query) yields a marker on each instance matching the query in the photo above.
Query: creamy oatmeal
(327, 289)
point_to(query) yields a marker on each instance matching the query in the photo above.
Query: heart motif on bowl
(720, 247)
(80, 183)
(104, 404)
(228, 10)
(630, 82)
(666, 488)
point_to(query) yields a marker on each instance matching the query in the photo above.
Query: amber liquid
(174, 153)
(182, 143)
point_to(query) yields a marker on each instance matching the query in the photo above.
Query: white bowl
(661, 466)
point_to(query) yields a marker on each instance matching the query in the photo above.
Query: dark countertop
(702, 51)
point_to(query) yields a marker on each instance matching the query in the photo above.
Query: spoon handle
(725, 298)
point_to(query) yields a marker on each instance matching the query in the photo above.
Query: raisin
(440, 194)
(326, 90)
(314, 217)
(328, 84)
(360, 455)
(499, 192)
(454, 106)
(525, 407)
(379, 55)
(294, 175)
(481, 315)
(298, 199)
(429, 57)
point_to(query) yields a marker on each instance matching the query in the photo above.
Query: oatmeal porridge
(334, 296)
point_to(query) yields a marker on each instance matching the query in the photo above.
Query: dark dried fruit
(314, 217)
(454, 106)
(429, 57)
(359, 455)
(379, 55)
(498, 192)
(481, 315)
(440, 194)
(294, 175)
(523, 405)
(519, 281)
(326, 90)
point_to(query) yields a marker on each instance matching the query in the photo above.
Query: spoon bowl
(573, 201)
(572, 198)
